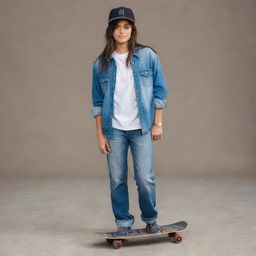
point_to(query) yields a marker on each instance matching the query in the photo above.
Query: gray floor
(59, 216)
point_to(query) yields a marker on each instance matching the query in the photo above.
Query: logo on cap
(121, 12)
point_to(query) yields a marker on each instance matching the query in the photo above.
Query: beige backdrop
(207, 49)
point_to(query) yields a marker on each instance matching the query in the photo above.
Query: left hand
(156, 132)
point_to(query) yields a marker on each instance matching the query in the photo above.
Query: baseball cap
(121, 13)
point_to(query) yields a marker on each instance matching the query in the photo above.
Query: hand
(156, 132)
(103, 144)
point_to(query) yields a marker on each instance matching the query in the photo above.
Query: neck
(121, 48)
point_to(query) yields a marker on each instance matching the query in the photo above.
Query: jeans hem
(124, 223)
(149, 220)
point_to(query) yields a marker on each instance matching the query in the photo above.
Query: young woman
(128, 93)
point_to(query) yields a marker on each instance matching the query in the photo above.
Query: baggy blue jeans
(141, 149)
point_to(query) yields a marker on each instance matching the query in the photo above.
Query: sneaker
(123, 231)
(153, 228)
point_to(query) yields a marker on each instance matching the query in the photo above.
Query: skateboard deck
(170, 229)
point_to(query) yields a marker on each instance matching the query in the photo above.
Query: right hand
(103, 144)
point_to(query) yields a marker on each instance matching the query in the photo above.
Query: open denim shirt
(150, 88)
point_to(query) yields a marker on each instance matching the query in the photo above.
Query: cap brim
(121, 18)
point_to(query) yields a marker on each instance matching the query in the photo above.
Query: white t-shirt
(125, 116)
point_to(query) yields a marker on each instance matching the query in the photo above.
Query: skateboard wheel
(110, 241)
(117, 244)
(175, 237)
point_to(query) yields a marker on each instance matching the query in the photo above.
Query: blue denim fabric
(150, 88)
(141, 146)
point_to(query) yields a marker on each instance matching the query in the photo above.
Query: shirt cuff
(158, 103)
(96, 111)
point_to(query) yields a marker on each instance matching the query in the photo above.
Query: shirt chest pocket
(104, 84)
(146, 77)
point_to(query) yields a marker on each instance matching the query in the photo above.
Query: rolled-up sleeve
(160, 89)
(97, 95)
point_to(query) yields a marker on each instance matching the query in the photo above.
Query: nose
(121, 30)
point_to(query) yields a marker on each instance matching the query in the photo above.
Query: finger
(108, 148)
(107, 144)
(103, 151)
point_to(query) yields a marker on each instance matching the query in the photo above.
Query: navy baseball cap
(121, 13)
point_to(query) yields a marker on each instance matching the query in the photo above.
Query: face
(122, 32)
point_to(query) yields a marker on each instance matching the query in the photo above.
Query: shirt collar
(135, 54)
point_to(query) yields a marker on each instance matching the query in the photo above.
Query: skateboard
(171, 230)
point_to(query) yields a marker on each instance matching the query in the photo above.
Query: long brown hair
(111, 44)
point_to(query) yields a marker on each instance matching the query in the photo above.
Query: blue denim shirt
(150, 88)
